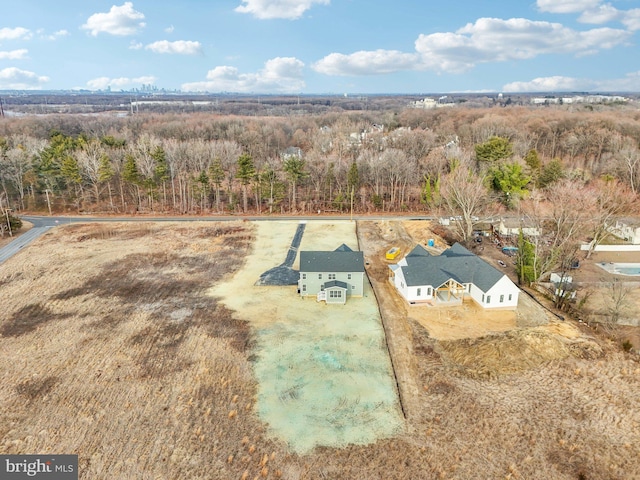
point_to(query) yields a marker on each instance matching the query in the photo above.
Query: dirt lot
(526, 403)
(115, 348)
(323, 371)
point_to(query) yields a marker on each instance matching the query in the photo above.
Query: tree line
(535, 163)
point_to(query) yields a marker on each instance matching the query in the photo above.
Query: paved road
(53, 221)
(20, 242)
(41, 224)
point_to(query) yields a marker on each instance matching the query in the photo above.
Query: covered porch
(449, 293)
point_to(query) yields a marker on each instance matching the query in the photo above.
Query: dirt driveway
(324, 375)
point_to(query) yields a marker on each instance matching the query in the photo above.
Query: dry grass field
(114, 347)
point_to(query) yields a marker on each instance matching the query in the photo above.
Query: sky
(322, 46)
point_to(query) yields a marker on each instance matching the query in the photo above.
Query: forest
(575, 169)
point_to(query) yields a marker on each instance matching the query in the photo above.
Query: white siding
(504, 287)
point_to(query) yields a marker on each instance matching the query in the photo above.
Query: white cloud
(169, 29)
(135, 45)
(54, 36)
(569, 84)
(59, 34)
(593, 12)
(14, 54)
(631, 19)
(487, 40)
(122, 20)
(279, 75)
(13, 78)
(17, 33)
(366, 63)
(567, 6)
(600, 14)
(102, 83)
(548, 84)
(181, 47)
(269, 9)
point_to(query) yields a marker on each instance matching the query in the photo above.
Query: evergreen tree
(494, 149)
(130, 171)
(551, 173)
(246, 173)
(217, 175)
(294, 168)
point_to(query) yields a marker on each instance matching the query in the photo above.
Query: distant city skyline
(322, 46)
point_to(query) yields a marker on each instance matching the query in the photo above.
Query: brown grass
(124, 358)
(112, 350)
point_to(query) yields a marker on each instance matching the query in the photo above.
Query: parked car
(502, 264)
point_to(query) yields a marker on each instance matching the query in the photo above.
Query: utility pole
(8, 222)
(48, 202)
(352, 188)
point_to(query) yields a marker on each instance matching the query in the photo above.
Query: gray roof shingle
(336, 261)
(455, 263)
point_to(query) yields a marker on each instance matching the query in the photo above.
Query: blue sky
(322, 46)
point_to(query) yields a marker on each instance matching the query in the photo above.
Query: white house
(628, 230)
(291, 152)
(332, 276)
(448, 278)
(511, 227)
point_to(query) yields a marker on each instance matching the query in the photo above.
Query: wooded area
(458, 161)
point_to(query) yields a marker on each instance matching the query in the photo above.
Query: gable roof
(336, 261)
(418, 251)
(455, 263)
(335, 284)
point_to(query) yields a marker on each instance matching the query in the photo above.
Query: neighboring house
(512, 226)
(332, 276)
(563, 286)
(628, 230)
(446, 279)
(291, 152)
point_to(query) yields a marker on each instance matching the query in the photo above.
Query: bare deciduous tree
(561, 222)
(616, 299)
(465, 196)
(611, 201)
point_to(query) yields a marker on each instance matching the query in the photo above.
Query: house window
(304, 276)
(319, 276)
(509, 297)
(348, 276)
(304, 287)
(419, 291)
(332, 276)
(501, 298)
(335, 294)
(428, 290)
(483, 298)
(353, 287)
(488, 299)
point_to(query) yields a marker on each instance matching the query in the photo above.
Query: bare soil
(515, 398)
(115, 348)
(323, 371)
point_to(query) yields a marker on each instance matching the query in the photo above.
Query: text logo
(45, 467)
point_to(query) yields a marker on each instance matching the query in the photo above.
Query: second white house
(448, 278)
